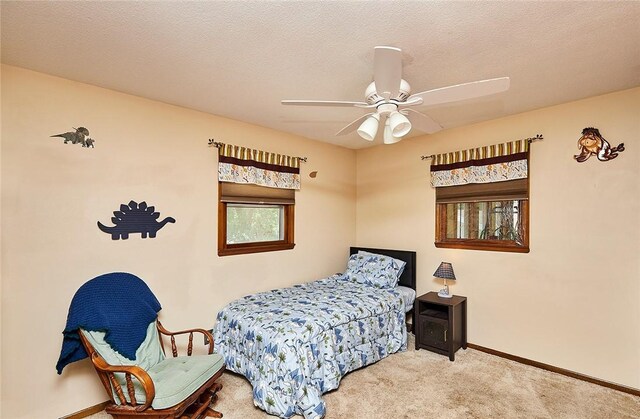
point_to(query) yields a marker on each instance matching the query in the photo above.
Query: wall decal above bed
(79, 136)
(135, 218)
(593, 144)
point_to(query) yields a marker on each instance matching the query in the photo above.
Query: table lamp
(445, 271)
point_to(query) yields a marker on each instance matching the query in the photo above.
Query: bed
(294, 344)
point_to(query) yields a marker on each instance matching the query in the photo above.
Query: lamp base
(444, 293)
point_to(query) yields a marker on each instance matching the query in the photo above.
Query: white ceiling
(238, 59)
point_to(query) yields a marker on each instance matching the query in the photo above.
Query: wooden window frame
(482, 244)
(510, 190)
(225, 249)
(514, 190)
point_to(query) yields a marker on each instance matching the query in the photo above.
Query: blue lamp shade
(445, 271)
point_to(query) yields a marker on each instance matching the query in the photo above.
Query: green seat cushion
(178, 378)
(175, 379)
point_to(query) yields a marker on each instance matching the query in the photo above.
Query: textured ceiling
(238, 59)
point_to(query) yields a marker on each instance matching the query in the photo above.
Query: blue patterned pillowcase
(375, 270)
(400, 264)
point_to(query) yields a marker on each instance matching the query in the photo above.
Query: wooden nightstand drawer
(441, 323)
(433, 332)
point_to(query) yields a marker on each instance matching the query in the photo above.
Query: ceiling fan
(390, 98)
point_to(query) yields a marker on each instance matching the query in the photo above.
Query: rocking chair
(152, 386)
(114, 317)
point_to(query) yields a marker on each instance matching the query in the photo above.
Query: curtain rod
(216, 144)
(529, 140)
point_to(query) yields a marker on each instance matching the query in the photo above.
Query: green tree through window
(254, 223)
(254, 218)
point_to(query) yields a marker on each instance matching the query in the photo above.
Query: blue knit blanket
(119, 304)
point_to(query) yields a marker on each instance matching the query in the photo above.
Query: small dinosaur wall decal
(80, 135)
(135, 218)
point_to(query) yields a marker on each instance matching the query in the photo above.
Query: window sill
(483, 245)
(243, 249)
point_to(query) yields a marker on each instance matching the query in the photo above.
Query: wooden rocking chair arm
(208, 336)
(141, 375)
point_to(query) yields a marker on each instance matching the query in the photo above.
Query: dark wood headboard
(408, 277)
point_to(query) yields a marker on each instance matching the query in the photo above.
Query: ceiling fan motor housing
(371, 95)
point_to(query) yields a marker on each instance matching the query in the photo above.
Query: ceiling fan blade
(463, 91)
(354, 125)
(412, 101)
(421, 121)
(387, 71)
(322, 103)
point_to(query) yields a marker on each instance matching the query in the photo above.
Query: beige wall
(53, 194)
(574, 300)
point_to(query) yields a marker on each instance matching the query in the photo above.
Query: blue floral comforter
(294, 344)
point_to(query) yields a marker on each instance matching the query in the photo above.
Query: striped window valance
(244, 165)
(494, 163)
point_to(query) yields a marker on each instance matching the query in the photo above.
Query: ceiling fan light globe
(369, 128)
(400, 125)
(388, 137)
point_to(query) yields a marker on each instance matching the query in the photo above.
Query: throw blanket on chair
(119, 304)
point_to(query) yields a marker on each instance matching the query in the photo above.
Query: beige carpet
(421, 384)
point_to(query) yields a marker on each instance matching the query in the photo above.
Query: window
(248, 223)
(489, 216)
(254, 219)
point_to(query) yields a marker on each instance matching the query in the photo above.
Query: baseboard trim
(568, 373)
(87, 412)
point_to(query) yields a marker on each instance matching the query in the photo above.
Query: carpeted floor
(421, 384)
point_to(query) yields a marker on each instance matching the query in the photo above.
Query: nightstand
(441, 323)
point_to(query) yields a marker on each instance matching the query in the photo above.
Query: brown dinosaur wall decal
(593, 144)
(135, 218)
